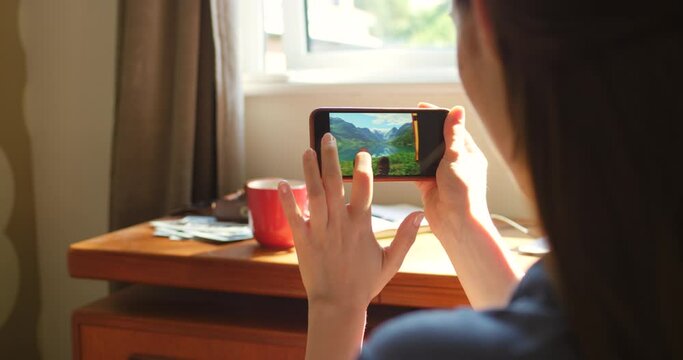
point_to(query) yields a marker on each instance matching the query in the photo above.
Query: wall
(68, 103)
(19, 292)
(277, 133)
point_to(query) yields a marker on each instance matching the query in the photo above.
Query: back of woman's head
(595, 94)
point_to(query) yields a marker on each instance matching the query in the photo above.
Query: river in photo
(375, 149)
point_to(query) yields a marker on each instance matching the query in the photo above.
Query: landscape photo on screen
(389, 138)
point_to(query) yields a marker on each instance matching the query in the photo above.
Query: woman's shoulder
(531, 327)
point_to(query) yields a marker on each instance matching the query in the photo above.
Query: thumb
(454, 132)
(404, 239)
(425, 185)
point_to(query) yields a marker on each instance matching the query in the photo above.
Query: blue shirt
(531, 326)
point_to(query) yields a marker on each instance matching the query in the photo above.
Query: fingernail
(310, 153)
(283, 186)
(329, 139)
(418, 219)
(458, 112)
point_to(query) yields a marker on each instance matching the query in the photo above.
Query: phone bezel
(316, 131)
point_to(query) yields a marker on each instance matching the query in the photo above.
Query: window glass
(334, 25)
(414, 39)
(275, 60)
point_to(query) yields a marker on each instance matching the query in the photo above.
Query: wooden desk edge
(186, 272)
(405, 289)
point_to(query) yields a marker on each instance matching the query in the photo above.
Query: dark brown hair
(596, 100)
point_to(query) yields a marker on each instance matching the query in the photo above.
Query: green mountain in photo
(403, 136)
(350, 134)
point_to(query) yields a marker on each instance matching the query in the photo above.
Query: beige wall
(19, 291)
(277, 133)
(68, 108)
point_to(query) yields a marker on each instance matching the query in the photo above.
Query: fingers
(454, 129)
(425, 186)
(454, 132)
(404, 239)
(426, 105)
(291, 209)
(314, 187)
(361, 190)
(331, 176)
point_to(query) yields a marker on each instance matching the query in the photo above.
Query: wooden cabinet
(143, 322)
(99, 342)
(154, 323)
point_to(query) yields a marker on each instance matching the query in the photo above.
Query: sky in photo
(375, 121)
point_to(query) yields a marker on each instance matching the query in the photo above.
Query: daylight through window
(381, 34)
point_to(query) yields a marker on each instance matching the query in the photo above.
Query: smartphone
(404, 143)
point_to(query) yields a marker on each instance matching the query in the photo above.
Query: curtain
(229, 98)
(178, 133)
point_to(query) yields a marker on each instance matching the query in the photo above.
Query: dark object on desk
(231, 207)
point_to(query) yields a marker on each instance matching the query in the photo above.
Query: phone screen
(405, 143)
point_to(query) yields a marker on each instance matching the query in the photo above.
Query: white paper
(395, 213)
(389, 217)
(201, 227)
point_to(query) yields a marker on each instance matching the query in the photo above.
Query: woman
(581, 98)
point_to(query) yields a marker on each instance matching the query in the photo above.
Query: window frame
(356, 66)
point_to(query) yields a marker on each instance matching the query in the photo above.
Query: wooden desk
(242, 277)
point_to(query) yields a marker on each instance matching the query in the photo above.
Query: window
(360, 40)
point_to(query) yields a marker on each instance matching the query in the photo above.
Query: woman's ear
(484, 27)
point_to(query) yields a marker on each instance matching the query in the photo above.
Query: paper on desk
(538, 247)
(389, 217)
(384, 217)
(201, 227)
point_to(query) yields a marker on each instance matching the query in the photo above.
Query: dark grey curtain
(169, 138)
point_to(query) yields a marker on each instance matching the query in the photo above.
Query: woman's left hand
(341, 263)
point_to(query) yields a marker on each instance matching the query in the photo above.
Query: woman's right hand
(458, 194)
(455, 206)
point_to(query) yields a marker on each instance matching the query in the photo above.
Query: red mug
(266, 216)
